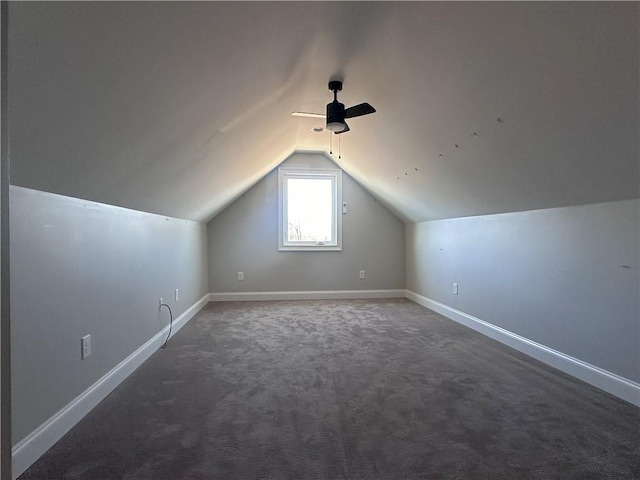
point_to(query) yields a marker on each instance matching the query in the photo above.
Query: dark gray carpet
(351, 389)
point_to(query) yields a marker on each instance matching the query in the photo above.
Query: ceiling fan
(336, 113)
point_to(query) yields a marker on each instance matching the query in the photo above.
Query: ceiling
(178, 108)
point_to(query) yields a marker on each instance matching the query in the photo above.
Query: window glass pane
(309, 210)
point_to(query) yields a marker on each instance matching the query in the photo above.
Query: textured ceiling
(177, 108)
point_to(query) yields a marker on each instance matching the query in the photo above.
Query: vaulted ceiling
(177, 108)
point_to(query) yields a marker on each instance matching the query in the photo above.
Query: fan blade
(358, 110)
(346, 129)
(308, 115)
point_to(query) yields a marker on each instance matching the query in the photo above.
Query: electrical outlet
(177, 294)
(240, 276)
(361, 274)
(455, 288)
(85, 347)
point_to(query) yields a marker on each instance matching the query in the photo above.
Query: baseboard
(29, 449)
(310, 295)
(602, 379)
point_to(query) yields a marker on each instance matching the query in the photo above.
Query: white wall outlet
(455, 288)
(240, 276)
(85, 347)
(177, 294)
(361, 274)
(160, 302)
(344, 207)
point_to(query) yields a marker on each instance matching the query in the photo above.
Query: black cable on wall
(164, 345)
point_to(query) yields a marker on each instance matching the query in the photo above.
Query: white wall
(81, 268)
(565, 277)
(244, 238)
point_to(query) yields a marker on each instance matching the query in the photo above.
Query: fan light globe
(336, 126)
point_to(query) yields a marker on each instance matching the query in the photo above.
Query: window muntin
(308, 209)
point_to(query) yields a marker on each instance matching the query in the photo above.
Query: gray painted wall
(5, 324)
(243, 238)
(564, 277)
(82, 268)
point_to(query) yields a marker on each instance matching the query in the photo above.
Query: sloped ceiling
(177, 108)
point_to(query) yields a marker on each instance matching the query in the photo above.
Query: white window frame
(335, 175)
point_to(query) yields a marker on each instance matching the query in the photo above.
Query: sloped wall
(564, 277)
(244, 238)
(81, 268)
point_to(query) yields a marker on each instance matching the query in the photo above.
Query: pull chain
(330, 143)
(339, 147)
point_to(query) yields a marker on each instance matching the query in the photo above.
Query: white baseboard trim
(310, 295)
(602, 379)
(30, 448)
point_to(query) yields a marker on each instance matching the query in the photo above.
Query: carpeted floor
(345, 389)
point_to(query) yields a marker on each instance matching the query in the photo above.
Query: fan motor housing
(335, 112)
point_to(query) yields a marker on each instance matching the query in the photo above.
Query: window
(308, 217)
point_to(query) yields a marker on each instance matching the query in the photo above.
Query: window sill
(311, 248)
